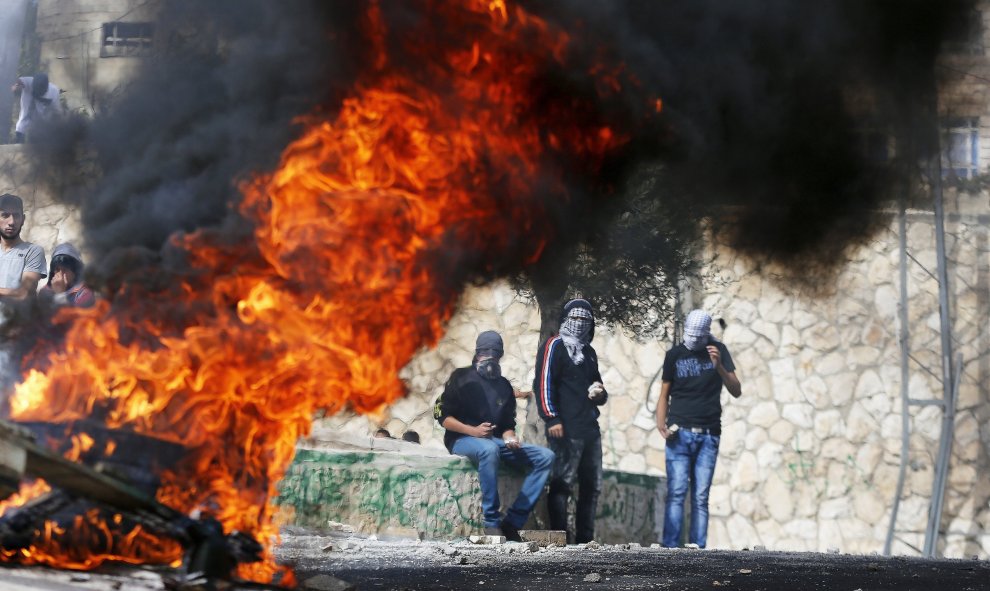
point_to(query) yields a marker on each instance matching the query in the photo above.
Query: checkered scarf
(697, 330)
(576, 332)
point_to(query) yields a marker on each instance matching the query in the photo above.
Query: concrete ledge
(415, 492)
(328, 440)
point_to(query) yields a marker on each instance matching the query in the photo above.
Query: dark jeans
(578, 461)
(690, 463)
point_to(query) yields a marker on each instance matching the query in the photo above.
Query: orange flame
(362, 235)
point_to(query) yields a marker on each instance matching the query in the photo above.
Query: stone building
(812, 453)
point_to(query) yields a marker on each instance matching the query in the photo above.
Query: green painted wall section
(382, 493)
(388, 493)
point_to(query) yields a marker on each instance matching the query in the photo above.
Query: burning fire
(363, 237)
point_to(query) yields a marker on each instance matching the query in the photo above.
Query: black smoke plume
(763, 107)
(775, 108)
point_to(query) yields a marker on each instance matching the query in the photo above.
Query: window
(961, 147)
(126, 39)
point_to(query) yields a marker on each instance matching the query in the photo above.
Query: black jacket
(464, 399)
(561, 389)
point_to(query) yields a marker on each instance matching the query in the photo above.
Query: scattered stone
(655, 546)
(531, 546)
(634, 545)
(486, 539)
(116, 585)
(544, 537)
(692, 546)
(592, 546)
(79, 577)
(593, 578)
(338, 526)
(759, 548)
(833, 550)
(448, 551)
(331, 547)
(745, 571)
(326, 583)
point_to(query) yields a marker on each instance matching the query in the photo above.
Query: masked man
(39, 99)
(689, 416)
(478, 410)
(569, 390)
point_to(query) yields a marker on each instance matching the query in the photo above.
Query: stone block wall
(811, 452)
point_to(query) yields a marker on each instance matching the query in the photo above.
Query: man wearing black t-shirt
(478, 410)
(689, 415)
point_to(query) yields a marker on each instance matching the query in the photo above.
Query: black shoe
(511, 533)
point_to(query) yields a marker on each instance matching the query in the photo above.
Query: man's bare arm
(663, 404)
(483, 430)
(731, 382)
(28, 286)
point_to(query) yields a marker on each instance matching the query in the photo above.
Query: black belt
(701, 431)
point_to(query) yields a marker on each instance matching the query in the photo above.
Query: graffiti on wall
(385, 493)
(375, 493)
(803, 469)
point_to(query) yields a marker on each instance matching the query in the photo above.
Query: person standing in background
(22, 264)
(39, 99)
(689, 417)
(569, 392)
(65, 285)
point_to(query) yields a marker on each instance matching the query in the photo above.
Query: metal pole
(903, 337)
(948, 415)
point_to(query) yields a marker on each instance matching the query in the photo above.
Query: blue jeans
(487, 454)
(690, 457)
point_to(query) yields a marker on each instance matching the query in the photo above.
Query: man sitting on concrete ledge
(478, 410)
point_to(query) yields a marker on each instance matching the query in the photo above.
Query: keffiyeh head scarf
(697, 330)
(577, 328)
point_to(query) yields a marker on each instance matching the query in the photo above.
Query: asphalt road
(410, 566)
(369, 564)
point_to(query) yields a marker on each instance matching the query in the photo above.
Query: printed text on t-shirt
(691, 367)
